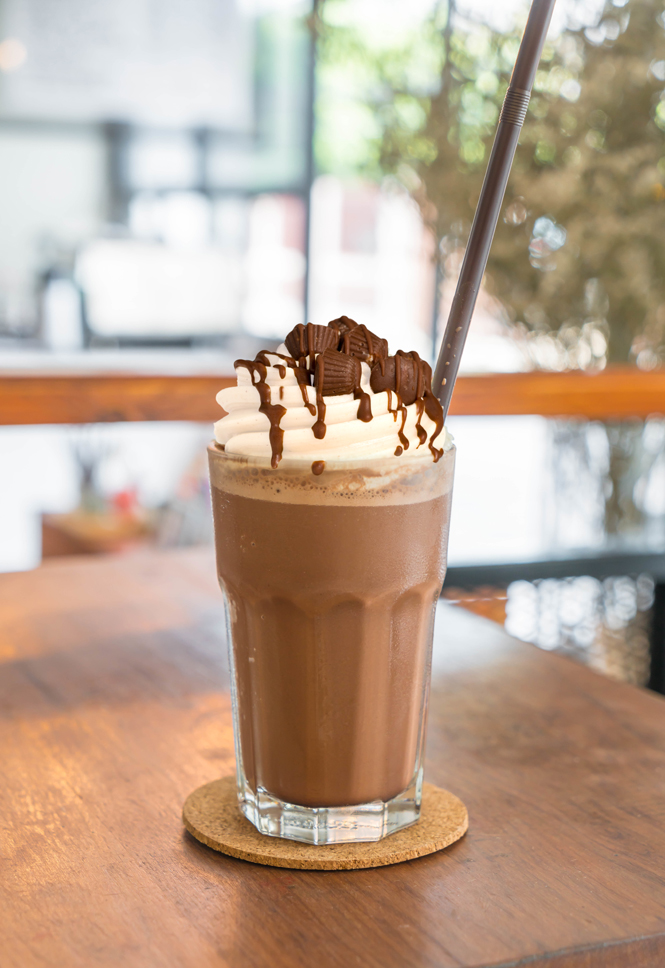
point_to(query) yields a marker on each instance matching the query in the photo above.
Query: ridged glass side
(401, 754)
(330, 611)
(330, 825)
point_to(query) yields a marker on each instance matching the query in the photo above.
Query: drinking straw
(508, 130)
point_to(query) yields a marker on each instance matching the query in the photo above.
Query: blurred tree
(578, 262)
(591, 173)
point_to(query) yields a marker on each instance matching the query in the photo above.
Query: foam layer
(361, 483)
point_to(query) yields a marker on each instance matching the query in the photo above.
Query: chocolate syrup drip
(420, 430)
(273, 411)
(365, 405)
(318, 467)
(398, 451)
(319, 426)
(398, 409)
(300, 373)
(410, 378)
(434, 411)
(305, 396)
(403, 439)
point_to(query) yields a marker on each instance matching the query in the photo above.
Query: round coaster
(211, 815)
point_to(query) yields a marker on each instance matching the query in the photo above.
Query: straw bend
(510, 123)
(515, 105)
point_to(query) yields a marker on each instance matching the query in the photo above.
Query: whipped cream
(274, 412)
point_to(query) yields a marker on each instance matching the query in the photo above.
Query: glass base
(361, 823)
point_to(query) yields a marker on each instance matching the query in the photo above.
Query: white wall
(390, 287)
(51, 186)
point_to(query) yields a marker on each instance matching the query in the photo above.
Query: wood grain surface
(619, 392)
(114, 706)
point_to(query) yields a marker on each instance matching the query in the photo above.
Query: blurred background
(183, 182)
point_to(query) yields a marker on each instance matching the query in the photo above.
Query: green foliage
(579, 256)
(373, 86)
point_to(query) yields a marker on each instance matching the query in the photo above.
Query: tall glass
(330, 583)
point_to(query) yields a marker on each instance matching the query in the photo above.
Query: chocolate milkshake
(331, 546)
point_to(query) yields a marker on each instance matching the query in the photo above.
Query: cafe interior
(182, 184)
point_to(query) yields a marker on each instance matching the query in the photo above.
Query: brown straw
(511, 118)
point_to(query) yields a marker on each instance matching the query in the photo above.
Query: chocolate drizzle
(300, 373)
(410, 378)
(386, 377)
(365, 405)
(319, 426)
(420, 430)
(403, 439)
(400, 409)
(330, 358)
(273, 411)
(434, 411)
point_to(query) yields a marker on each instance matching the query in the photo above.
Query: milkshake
(331, 484)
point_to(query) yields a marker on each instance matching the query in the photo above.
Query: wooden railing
(107, 397)
(619, 393)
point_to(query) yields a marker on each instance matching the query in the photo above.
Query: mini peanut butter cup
(358, 341)
(336, 373)
(405, 374)
(310, 339)
(343, 324)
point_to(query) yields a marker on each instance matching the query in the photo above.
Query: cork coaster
(211, 815)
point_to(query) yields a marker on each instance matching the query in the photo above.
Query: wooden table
(114, 706)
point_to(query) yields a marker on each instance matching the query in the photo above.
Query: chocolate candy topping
(405, 373)
(410, 378)
(305, 341)
(356, 340)
(343, 324)
(336, 373)
(329, 358)
(365, 345)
